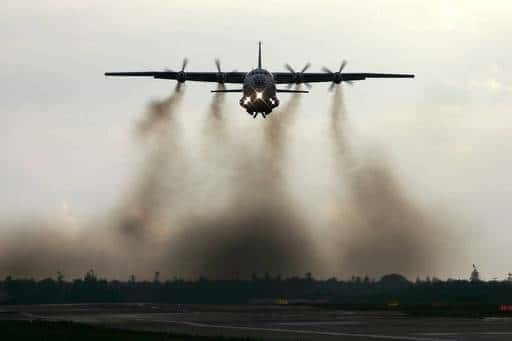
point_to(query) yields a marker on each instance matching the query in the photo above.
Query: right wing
(317, 77)
(213, 77)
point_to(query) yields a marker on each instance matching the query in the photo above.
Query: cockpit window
(259, 72)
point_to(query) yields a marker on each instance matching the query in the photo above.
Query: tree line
(357, 290)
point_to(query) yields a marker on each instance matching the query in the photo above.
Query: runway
(269, 322)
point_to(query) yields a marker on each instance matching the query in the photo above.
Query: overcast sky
(66, 135)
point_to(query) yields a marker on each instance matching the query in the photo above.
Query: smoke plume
(158, 186)
(119, 243)
(229, 214)
(386, 231)
(258, 231)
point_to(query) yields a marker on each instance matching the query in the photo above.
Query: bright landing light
(247, 100)
(259, 95)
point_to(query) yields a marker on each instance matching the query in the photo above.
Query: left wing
(213, 77)
(336, 77)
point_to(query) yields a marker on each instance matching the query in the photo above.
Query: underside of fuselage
(259, 93)
(255, 105)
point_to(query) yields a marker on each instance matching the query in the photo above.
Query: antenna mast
(259, 55)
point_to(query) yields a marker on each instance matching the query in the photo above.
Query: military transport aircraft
(259, 85)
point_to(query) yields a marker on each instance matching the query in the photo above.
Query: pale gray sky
(66, 134)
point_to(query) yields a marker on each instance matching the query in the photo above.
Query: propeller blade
(325, 69)
(217, 64)
(289, 86)
(350, 83)
(343, 63)
(309, 86)
(331, 87)
(306, 67)
(289, 68)
(184, 65)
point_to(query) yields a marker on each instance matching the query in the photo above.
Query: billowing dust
(239, 219)
(386, 231)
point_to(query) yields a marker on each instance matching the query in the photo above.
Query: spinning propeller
(298, 77)
(182, 77)
(221, 76)
(337, 77)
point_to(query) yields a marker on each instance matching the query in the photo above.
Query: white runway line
(439, 334)
(320, 323)
(463, 333)
(296, 331)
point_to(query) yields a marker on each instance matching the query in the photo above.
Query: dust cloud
(258, 231)
(229, 214)
(385, 230)
(120, 242)
(153, 193)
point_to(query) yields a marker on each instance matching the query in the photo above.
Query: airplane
(259, 85)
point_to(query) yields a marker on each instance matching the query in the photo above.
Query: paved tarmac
(269, 322)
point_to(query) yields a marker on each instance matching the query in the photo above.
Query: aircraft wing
(214, 77)
(312, 77)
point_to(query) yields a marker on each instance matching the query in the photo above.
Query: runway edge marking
(296, 331)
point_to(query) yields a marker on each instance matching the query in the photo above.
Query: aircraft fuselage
(259, 93)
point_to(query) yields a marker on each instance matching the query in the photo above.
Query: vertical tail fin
(259, 55)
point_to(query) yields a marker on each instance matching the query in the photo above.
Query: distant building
(475, 275)
(509, 278)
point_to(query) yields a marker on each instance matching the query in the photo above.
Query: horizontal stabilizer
(293, 91)
(228, 90)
